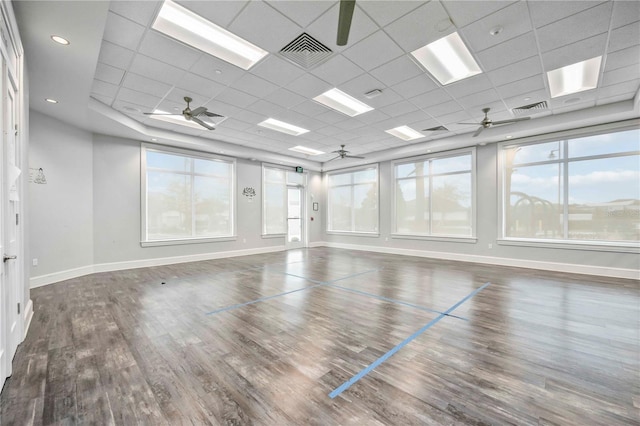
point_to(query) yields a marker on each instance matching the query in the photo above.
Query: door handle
(5, 257)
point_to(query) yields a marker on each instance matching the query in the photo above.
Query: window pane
(451, 205)
(341, 179)
(363, 176)
(340, 208)
(274, 208)
(212, 207)
(412, 206)
(604, 199)
(533, 153)
(605, 144)
(451, 164)
(274, 175)
(412, 169)
(212, 167)
(535, 201)
(295, 178)
(162, 160)
(168, 205)
(365, 205)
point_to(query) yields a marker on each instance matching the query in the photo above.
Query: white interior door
(295, 222)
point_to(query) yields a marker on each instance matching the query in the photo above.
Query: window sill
(577, 245)
(185, 241)
(274, 235)
(355, 234)
(450, 239)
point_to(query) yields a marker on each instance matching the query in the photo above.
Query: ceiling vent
(436, 129)
(531, 108)
(306, 51)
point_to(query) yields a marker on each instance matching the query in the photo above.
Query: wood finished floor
(123, 348)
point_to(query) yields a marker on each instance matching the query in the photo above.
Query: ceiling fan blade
(159, 113)
(196, 112)
(334, 158)
(475, 124)
(352, 156)
(480, 129)
(512, 120)
(344, 21)
(202, 123)
(212, 114)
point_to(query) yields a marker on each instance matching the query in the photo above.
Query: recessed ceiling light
(154, 140)
(305, 150)
(218, 72)
(482, 143)
(60, 40)
(51, 101)
(575, 77)
(527, 98)
(281, 126)
(405, 132)
(175, 119)
(496, 30)
(508, 137)
(447, 59)
(341, 102)
(194, 30)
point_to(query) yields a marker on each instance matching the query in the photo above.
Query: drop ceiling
(117, 67)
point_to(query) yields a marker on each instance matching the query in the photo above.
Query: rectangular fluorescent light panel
(178, 119)
(305, 150)
(447, 59)
(574, 78)
(341, 102)
(405, 132)
(281, 126)
(192, 29)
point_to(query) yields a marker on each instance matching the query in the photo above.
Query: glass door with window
(295, 224)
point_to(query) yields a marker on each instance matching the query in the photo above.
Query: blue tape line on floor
(346, 385)
(399, 302)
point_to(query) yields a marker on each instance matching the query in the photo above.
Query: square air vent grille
(436, 129)
(531, 108)
(306, 51)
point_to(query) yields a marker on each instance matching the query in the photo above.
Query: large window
(186, 195)
(583, 189)
(353, 201)
(274, 200)
(434, 196)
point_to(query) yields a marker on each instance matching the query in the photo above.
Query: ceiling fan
(487, 122)
(192, 115)
(344, 21)
(342, 153)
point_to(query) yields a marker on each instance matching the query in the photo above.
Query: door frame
(303, 214)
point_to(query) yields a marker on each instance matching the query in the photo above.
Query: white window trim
(327, 212)
(144, 242)
(610, 246)
(437, 237)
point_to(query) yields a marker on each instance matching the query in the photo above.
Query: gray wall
(487, 227)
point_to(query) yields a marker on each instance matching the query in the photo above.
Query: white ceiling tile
(516, 71)
(546, 12)
(387, 97)
(620, 75)
(624, 37)
(398, 70)
(346, 137)
(104, 89)
(514, 20)
(156, 70)
(168, 50)
(109, 74)
(414, 86)
(141, 12)
(372, 116)
(510, 51)
(277, 70)
(285, 98)
(104, 99)
(416, 116)
(309, 86)
(329, 131)
(138, 98)
(325, 28)
(351, 124)
(265, 108)
(426, 122)
(521, 87)
(576, 52)
(200, 85)
(177, 95)
(385, 12)
(431, 98)
(465, 12)
(626, 88)
(115, 55)
(222, 108)
(451, 121)
(302, 12)
(222, 13)
(255, 86)
(337, 70)
(625, 12)
(373, 51)
(443, 108)
(310, 108)
(264, 26)
(145, 85)
(331, 117)
(234, 124)
(398, 109)
(623, 58)
(479, 99)
(521, 100)
(420, 27)
(614, 99)
(360, 85)
(474, 84)
(574, 28)
(123, 32)
(236, 98)
(250, 117)
(217, 70)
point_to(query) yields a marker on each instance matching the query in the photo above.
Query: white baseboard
(317, 244)
(28, 315)
(500, 261)
(55, 277)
